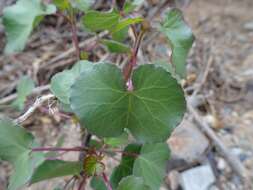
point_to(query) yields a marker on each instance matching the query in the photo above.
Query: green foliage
(99, 96)
(82, 5)
(133, 183)
(62, 4)
(97, 21)
(15, 147)
(126, 22)
(117, 141)
(97, 183)
(151, 164)
(180, 37)
(125, 168)
(62, 81)
(19, 21)
(55, 168)
(24, 88)
(116, 47)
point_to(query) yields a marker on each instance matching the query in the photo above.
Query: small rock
(221, 164)
(198, 178)
(173, 180)
(248, 26)
(187, 143)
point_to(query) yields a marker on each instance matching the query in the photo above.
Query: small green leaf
(126, 165)
(151, 111)
(97, 183)
(117, 141)
(15, 147)
(133, 183)
(97, 20)
(180, 37)
(92, 165)
(62, 4)
(19, 21)
(61, 82)
(126, 22)
(24, 88)
(121, 35)
(82, 5)
(116, 47)
(130, 5)
(55, 168)
(152, 160)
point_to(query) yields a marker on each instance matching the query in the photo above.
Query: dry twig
(30, 111)
(233, 161)
(34, 91)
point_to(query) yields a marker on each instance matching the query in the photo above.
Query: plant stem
(133, 59)
(107, 182)
(82, 183)
(56, 149)
(75, 39)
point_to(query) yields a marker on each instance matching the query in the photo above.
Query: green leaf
(97, 20)
(55, 168)
(97, 183)
(151, 164)
(116, 47)
(61, 82)
(19, 21)
(62, 4)
(130, 5)
(180, 37)
(126, 22)
(133, 183)
(121, 35)
(117, 141)
(126, 165)
(151, 111)
(82, 5)
(15, 147)
(24, 88)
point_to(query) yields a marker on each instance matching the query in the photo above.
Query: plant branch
(233, 161)
(82, 183)
(127, 70)
(57, 149)
(36, 105)
(107, 182)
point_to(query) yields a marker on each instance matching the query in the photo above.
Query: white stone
(198, 178)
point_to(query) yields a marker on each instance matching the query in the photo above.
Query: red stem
(72, 22)
(75, 39)
(82, 184)
(56, 149)
(107, 182)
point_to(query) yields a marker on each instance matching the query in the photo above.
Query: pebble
(198, 178)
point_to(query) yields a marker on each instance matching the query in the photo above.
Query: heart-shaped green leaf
(61, 82)
(180, 37)
(15, 147)
(151, 111)
(55, 168)
(20, 19)
(133, 183)
(152, 160)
